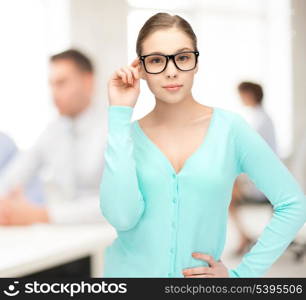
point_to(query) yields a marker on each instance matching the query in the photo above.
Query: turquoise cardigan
(161, 217)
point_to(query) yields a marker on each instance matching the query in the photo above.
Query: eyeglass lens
(184, 61)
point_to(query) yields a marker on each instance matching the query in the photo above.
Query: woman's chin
(171, 99)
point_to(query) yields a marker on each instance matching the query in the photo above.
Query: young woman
(168, 177)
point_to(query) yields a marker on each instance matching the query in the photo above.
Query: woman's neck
(177, 114)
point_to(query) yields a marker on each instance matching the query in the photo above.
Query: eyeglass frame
(168, 57)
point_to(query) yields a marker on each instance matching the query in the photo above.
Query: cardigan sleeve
(121, 201)
(255, 158)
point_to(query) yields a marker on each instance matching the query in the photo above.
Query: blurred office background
(259, 40)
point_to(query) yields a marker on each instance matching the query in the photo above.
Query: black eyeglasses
(157, 63)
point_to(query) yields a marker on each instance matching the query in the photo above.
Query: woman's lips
(173, 87)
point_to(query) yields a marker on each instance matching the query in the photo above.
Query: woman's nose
(171, 70)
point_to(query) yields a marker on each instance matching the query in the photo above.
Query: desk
(28, 249)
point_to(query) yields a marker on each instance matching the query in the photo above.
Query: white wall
(298, 161)
(299, 68)
(28, 33)
(100, 29)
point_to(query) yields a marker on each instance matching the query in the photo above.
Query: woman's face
(169, 41)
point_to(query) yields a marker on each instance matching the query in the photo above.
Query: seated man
(68, 155)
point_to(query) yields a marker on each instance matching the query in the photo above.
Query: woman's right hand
(124, 85)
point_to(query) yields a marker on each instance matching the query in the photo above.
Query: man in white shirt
(251, 95)
(68, 155)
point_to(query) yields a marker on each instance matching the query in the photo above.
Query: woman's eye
(155, 60)
(183, 57)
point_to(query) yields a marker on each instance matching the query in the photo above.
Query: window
(30, 31)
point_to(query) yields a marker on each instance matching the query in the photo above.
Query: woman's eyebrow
(177, 51)
(183, 49)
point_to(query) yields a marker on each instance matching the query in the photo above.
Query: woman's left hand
(215, 268)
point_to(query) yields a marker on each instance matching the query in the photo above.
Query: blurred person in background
(33, 190)
(251, 95)
(68, 154)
